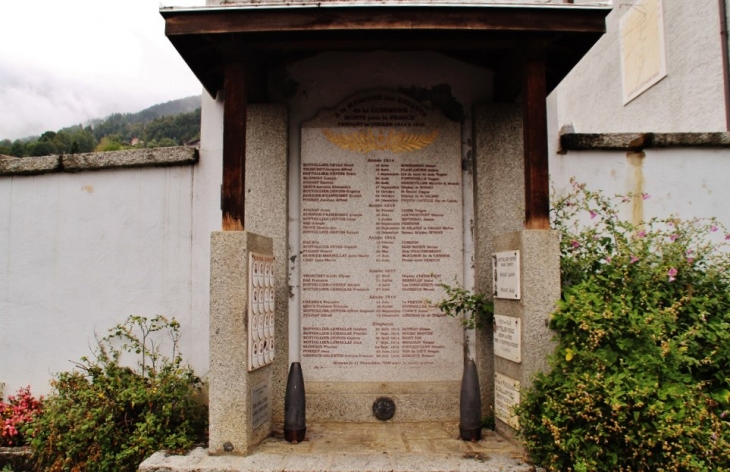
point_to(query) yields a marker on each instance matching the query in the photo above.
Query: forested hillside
(173, 123)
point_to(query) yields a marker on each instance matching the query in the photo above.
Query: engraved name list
(381, 228)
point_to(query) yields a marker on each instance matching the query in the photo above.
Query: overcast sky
(63, 62)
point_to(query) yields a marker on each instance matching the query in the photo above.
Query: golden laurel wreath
(395, 141)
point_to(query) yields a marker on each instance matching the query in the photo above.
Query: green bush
(104, 416)
(640, 378)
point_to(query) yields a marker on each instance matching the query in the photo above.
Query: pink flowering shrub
(640, 374)
(18, 412)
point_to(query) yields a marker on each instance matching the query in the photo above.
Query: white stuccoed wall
(686, 183)
(206, 217)
(683, 182)
(81, 252)
(689, 99)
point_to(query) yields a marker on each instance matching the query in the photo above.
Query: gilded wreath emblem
(366, 141)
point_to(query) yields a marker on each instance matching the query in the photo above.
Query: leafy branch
(479, 310)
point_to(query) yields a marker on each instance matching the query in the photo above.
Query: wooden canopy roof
(530, 48)
(494, 36)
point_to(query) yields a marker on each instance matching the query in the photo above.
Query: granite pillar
(540, 287)
(266, 213)
(499, 207)
(231, 384)
(500, 220)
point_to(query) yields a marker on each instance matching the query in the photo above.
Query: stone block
(17, 458)
(353, 401)
(229, 379)
(540, 282)
(152, 157)
(29, 165)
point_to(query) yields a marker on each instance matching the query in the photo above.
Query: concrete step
(360, 447)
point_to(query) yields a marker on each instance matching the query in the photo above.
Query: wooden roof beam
(537, 179)
(234, 147)
(185, 22)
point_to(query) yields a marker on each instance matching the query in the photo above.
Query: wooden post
(537, 179)
(234, 147)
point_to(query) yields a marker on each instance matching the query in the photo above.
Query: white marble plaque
(260, 404)
(381, 227)
(508, 338)
(643, 52)
(506, 397)
(506, 270)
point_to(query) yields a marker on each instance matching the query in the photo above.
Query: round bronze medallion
(384, 408)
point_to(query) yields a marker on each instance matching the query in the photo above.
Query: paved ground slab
(360, 447)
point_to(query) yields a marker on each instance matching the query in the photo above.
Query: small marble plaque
(506, 269)
(506, 397)
(508, 337)
(260, 404)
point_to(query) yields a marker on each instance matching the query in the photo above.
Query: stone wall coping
(152, 157)
(635, 142)
(18, 458)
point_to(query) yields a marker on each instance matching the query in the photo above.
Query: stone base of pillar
(233, 389)
(540, 290)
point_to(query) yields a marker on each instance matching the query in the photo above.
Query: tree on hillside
(6, 147)
(41, 148)
(82, 140)
(151, 127)
(18, 149)
(109, 143)
(180, 129)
